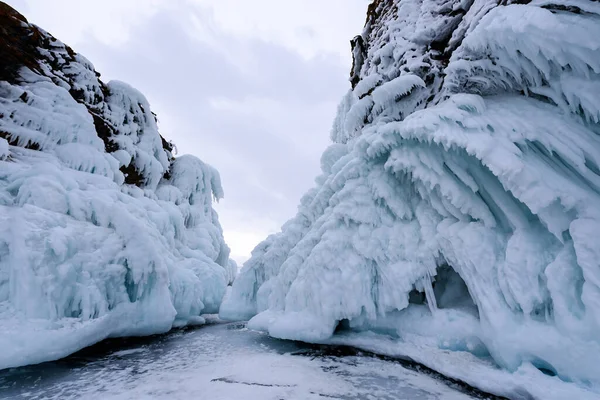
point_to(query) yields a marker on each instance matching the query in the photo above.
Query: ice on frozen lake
(459, 205)
(103, 232)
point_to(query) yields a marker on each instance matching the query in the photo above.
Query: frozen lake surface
(224, 361)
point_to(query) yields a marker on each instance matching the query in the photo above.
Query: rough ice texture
(103, 232)
(459, 205)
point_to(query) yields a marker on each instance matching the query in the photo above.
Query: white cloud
(109, 21)
(306, 26)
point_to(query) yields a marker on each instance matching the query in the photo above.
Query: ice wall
(103, 232)
(459, 204)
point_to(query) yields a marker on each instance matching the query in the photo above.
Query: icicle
(429, 294)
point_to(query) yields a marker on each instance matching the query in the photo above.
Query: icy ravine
(103, 232)
(459, 205)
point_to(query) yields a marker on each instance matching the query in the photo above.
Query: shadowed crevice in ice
(229, 380)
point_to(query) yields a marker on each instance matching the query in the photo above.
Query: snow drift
(459, 205)
(103, 232)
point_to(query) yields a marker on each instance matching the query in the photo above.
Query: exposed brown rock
(19, 42)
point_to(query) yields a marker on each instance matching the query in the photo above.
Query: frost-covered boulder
(103, 232)
(459, 205)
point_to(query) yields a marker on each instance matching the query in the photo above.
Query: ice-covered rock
(103, 232)
(459, 205)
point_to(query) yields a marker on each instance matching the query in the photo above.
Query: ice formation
(103, 232)
(459, 204)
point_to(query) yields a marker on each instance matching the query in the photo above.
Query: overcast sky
(249, 86)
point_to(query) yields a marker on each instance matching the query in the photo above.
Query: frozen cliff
(103, 232)
(458, 210)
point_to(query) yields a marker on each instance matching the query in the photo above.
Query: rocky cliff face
(121, 122)
(459, 201)
(423, 37)
(103, 232)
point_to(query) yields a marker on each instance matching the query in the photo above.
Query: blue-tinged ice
(84, 255)
(459, 206)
